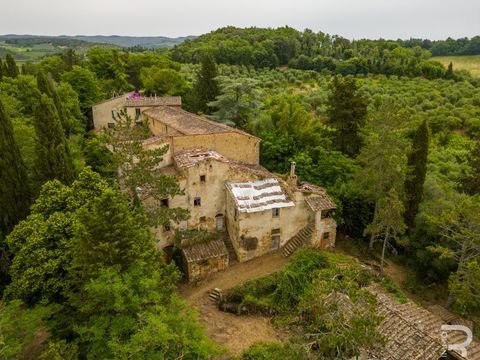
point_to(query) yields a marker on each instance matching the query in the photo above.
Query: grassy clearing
(470, 63)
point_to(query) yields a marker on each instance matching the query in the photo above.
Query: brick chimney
(292, 179)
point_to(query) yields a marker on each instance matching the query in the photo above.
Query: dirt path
(236, 333)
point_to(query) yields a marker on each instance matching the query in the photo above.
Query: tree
(86, 85)
(347, 111)
(417, 167)
(10, 67)
(136, 314)
(460, 230)
(383, 157)
(53, 156)
(206, 87)
(23, 330)
(15, 195)
(162, 82)
(46, 86)
(388, 222)
(450, 74)
(1, 70)
(470, 181)
(137, 170)
(238, 103)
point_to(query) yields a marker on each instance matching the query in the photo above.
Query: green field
(470, 63)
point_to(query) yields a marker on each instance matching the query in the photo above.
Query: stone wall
(198, 269)
(102, 112)
(232, 145)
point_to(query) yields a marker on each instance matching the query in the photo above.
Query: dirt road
(236, 333)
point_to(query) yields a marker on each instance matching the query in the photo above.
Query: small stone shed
(206, 258)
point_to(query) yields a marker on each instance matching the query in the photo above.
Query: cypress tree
(417, 165)
(347, 111)
(1, 69)
(46, 86)
(449, 74)
(471, 181)
(206, 87)
(11, 68)
(15, 192)
(53, 158)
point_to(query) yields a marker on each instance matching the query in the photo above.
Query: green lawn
(470, 63)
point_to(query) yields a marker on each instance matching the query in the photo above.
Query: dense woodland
(390, 133)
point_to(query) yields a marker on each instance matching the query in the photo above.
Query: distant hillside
(123, 41)
(126, 41)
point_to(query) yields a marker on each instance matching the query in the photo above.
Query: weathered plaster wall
(102, 113)
(259, 226)
(232, 145)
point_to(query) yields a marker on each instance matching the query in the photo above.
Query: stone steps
(303, 237)
(232, 255)
(215, 295)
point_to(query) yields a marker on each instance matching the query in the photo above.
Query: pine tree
(10, 68)
(471, 181)
(14, 187)
(206, 87)
(46, 86)
(347, 110)
(417, 165)
(53, 158)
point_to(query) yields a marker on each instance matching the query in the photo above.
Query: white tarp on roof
(254, 196)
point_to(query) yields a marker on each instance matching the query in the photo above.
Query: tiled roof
(153, 101)
(320, 202)
(260, 195)
(208, 250)
(187, 123)
(413, 332)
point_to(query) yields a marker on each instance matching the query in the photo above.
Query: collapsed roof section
(260, 195)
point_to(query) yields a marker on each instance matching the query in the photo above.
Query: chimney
(292, 179)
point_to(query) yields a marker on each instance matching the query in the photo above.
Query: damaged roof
(316, 197)
(187, 123)
(190, 158)
(153, 101)
(208, 250)
(260, 195)
(413, 332)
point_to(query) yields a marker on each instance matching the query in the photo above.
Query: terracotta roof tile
(154, 101)
(187, 123)
(211, 249)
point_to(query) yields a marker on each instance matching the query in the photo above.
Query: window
(203, 178)
(138, 112)
(197, 201)
(326, 235)
(275, 239)
(111, 125)
(235, 214)
(164, 203)
(275, 212)
(326, 214)
(139, 122)
(166, 228)
(203, 219)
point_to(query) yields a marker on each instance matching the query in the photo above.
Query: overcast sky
(434, 19)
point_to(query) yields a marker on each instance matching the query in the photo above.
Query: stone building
(225, 188)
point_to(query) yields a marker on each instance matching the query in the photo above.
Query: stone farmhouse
(226, 190)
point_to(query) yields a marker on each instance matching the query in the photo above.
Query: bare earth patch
(236, 333)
